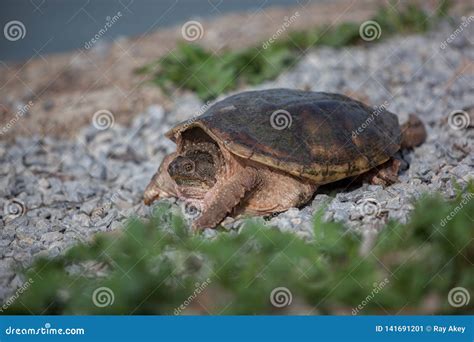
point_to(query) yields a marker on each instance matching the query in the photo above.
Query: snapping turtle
(262, 152)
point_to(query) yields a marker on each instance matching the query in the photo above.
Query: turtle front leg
(385, 174)
(224, 196)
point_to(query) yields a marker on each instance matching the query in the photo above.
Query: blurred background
(76, 57)
(58, 25)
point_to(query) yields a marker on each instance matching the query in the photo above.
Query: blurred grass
(207, 74)
(154, 266)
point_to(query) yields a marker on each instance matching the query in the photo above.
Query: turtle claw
(386, 174)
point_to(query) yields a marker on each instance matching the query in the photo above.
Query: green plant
(411, 19)
(208, 74)
(153, 267)
(196, 69)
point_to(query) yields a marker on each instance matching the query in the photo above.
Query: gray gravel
(56, 193)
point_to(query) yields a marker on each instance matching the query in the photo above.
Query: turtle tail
(413, 132)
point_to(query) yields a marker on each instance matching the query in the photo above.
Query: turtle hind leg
(413, 132)
(225, 196)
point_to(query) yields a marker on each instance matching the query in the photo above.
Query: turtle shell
(320, 136)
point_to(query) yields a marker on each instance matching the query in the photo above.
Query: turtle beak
(161, 185)
(152, 193)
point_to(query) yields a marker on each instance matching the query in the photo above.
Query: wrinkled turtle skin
(311, 134)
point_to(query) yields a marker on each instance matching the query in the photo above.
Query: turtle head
(195, 168)
(190, 172)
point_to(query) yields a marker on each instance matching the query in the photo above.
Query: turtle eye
(188, 167)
